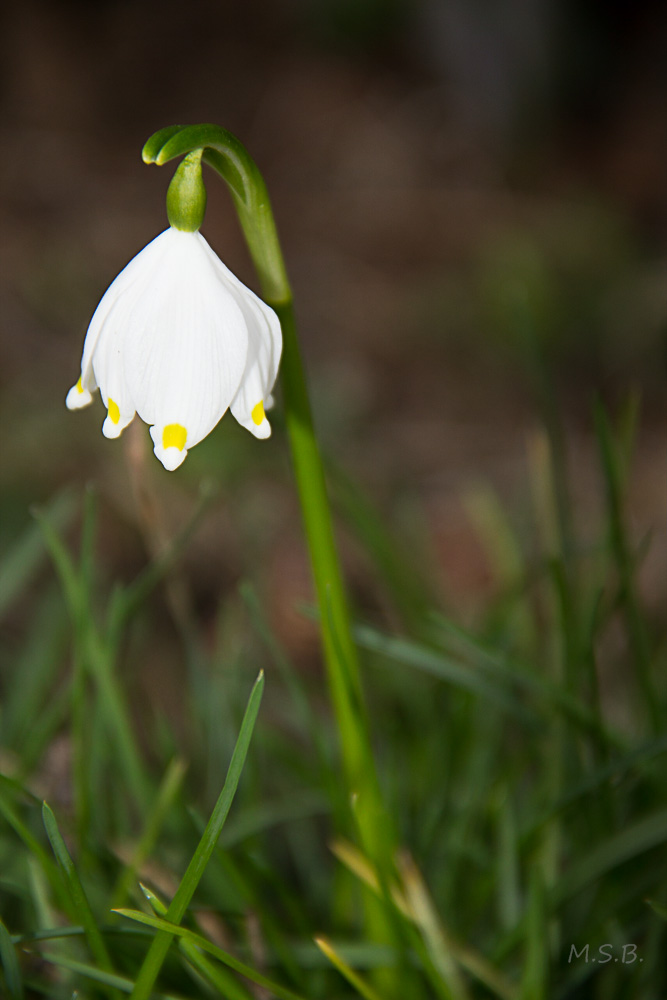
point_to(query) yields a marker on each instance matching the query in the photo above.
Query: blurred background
(469, 194)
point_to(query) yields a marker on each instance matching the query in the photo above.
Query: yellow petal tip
(114, 411)
(174, 436)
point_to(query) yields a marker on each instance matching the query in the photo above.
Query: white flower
(178, 339)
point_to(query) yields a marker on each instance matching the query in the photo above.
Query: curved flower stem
(229, 158)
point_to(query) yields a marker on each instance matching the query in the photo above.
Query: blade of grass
(629, 843)
(227, 985)
(618, 540)
(302, 704)
(507, 671)
(358, 983)
(536, 964)
(127, 601)
(46, 864)
(169, 788)
(109, 979)
(641, 836)
(175, 930)
(509, 897)
(25, 556)
(92, 652)
(434, 935)
(35, 669)
(80, 903)
(445, 668)
(470, 960)
(408, 587)
(10, 965)
(179, 904)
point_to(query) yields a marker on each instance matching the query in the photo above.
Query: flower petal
(185, 363)
(170, 441)
(78, 397)
(264, 350)
(132, 279)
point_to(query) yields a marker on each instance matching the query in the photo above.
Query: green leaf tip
(153, 146)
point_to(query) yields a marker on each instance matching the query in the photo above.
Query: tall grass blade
(166, 794)
(226, 984)
(46, 864)
(80, 904)
(108, 979)
(641, 836)
(174, 930)
(24, 558)
(433, 933)
(10, 966)
(612, 468)
(357, 982)
(536, 964)
(179, 904)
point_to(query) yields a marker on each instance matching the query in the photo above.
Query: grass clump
(528, 806)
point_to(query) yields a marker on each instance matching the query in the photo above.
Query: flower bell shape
(178, 339)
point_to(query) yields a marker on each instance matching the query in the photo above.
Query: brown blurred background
(460, 185)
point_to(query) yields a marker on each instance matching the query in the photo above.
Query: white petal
(171, 455)
(178, 339)
(132, 278)
(186, 345)
(78, 397)
(265, 347)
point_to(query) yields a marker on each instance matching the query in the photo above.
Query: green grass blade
(363, 988)
(46, 864)
(109, 979)
(536, 964)
(10, 965)
(227, 984)
(128, 600)
(265, 815)
(658, 908)
(445, 668)
(166, 794)
(80, 903)
(36, 671)
(174, 930)
(158, 950)
(24, 558)
(450, 982)
(468, 958)
(507, 859)
(504, 671)
(612, 467)
(641, 836)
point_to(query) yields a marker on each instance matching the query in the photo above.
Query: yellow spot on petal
(114, 412)
(258, 413)
(174, 436)
(79, 385)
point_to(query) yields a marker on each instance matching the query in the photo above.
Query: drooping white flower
(178, 339)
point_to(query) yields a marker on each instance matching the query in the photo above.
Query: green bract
(186, 195)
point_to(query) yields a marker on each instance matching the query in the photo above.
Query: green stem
(229, 158)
